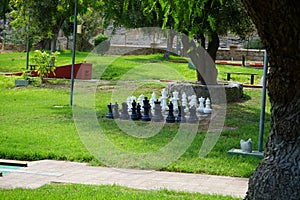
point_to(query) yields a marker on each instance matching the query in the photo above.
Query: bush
(101, 43)
(254, 43)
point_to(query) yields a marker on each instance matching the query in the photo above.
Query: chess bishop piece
(170, 118)
(134, 115)
(200, 109)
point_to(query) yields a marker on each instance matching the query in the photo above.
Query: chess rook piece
(116, 113)
(181, 115)
(170, 118)
(157, 117)
(193, 115)
(207, 109)
(110, 112)
(124, 112)
(133, 111)
(147, 111)
(138, 111)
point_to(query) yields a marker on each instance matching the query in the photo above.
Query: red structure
(81, 71)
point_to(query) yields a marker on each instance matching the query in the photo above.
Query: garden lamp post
(73, 52)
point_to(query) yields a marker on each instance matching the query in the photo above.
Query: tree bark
(278, 176)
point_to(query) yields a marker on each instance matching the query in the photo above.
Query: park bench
(241, 73)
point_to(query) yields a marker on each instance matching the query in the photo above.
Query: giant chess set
(184, 110)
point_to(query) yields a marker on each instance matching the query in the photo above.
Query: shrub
(45, 63)
(101, 43)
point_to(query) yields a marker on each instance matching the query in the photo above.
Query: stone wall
(233, 53)
(13, 47)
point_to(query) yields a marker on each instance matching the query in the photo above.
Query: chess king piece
(163, 100)
(124, 112)
(207, 109)
(147, 108)
(201, 105)
(138, 111)
(152, 100)
(193, 115)
(170, 118)
(110, 112)
(175, 100)
(116, 113)
(181, 115)
(184, 102)
(157, 117)
(133, 112)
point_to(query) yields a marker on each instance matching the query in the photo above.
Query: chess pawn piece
(170, 118)
(207, 109)
(201, 105)
(147, 108)
(184, 102)
(110, 112)
(133, 112)
(152, 100)
(181, 115)
(138, 111)
(193, 115)
(163, 100)
(175, 100)
(124, 112)
(116, 113)
(157, 117)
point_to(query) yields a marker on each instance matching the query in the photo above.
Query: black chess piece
(181, 115)
(110, 112)
(193, 115)
(157, 117)
(147, 108)
(138, 111)
(133, 111)
(124, 112)
(116, 113)
(170, 118)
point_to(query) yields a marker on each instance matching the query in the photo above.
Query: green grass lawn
(82, 192)
(33, 127)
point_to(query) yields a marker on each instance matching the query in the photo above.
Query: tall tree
(4, 10)
(278, 25)
(210, 19)
(47, 17)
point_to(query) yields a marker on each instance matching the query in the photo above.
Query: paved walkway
(39, 173)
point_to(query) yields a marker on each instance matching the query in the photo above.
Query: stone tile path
(39, 173)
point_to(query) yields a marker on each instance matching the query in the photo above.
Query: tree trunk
(213, 46)
(53, 44)
(278, 176)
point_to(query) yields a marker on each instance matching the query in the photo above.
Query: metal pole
(27, 43)
(73, 52)
(263, 105)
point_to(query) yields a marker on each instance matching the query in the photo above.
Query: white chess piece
(184, 102)
(201, 105)
(152, 100)
(207, 109)
(193, 101)
(140, 101)
(163, 100)
(129, 104)
(175, 100)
